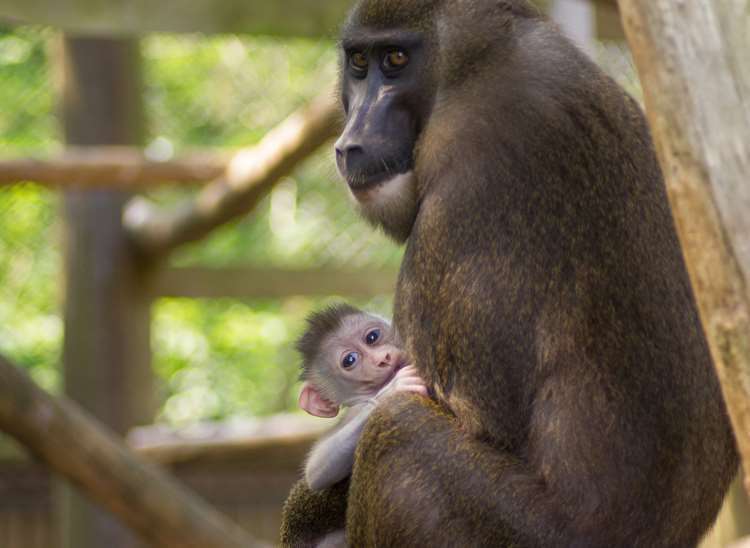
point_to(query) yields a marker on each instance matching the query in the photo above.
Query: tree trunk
(692, 59)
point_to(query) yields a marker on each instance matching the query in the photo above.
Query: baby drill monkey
(351, 359)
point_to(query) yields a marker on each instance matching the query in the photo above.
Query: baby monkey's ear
(311, 401)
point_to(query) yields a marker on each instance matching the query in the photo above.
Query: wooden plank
(692, 60)
(269, 283)
(113, 167)
(270, 444)
(106, 354)
(73, 444)
(133, 17)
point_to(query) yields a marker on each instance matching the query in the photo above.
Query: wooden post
(692, 60)
(106, 351)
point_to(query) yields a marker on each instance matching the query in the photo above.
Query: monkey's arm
(331, 459)
(417, 472)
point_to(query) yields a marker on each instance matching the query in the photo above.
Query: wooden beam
(249, 176)
(134, 17)
(277, 439)
(76, 446)
(106, 349)
(259, 283)
(692, 60)
(112, 167)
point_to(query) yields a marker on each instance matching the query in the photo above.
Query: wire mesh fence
(30, 324)
(213, 358)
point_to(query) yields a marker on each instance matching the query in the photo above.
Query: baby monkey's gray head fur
(348, 353)
(320, 325)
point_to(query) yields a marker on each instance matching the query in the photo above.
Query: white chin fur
(386, 192)
(391, 205)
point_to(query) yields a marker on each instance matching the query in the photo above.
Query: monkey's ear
(311, 401)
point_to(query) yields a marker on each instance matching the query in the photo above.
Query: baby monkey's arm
(332, 458)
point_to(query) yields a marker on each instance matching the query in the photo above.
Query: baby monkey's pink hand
(406, 380)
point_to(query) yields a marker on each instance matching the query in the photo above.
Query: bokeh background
(217, 362)
(214, 358)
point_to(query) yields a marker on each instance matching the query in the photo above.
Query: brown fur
(544, 292)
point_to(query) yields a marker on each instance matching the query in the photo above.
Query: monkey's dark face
(386, 99)
(401, 62)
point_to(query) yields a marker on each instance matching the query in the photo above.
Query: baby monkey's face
(365, 353)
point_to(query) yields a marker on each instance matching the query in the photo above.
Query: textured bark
(106, 352)
(122, 168)
(692, 60)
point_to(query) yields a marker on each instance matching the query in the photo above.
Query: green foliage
(30, 323)
(220, 358)
(229, 90)
(213, 358)
(26, 120)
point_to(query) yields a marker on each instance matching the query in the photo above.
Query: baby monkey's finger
(407, 381)
(416, 388)
(406, 371)
(410, 377)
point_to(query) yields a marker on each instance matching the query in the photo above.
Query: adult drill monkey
(543, 295)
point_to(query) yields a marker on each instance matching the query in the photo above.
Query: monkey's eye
(358, 62)
(372, 336)
(395, 59)
(349, 360)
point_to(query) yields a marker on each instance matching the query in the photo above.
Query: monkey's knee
(309, 516)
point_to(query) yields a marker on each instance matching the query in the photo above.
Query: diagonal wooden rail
(77, 447)
(250, 174)
(692, 60)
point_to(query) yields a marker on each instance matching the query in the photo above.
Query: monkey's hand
(405, 380)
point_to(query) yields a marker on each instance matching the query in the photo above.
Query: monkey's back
(545, 295)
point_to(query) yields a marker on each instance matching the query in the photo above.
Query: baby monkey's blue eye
(372, 336)
(349, 360)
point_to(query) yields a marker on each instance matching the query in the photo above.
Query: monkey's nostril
(354, 153)
(352, 157)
